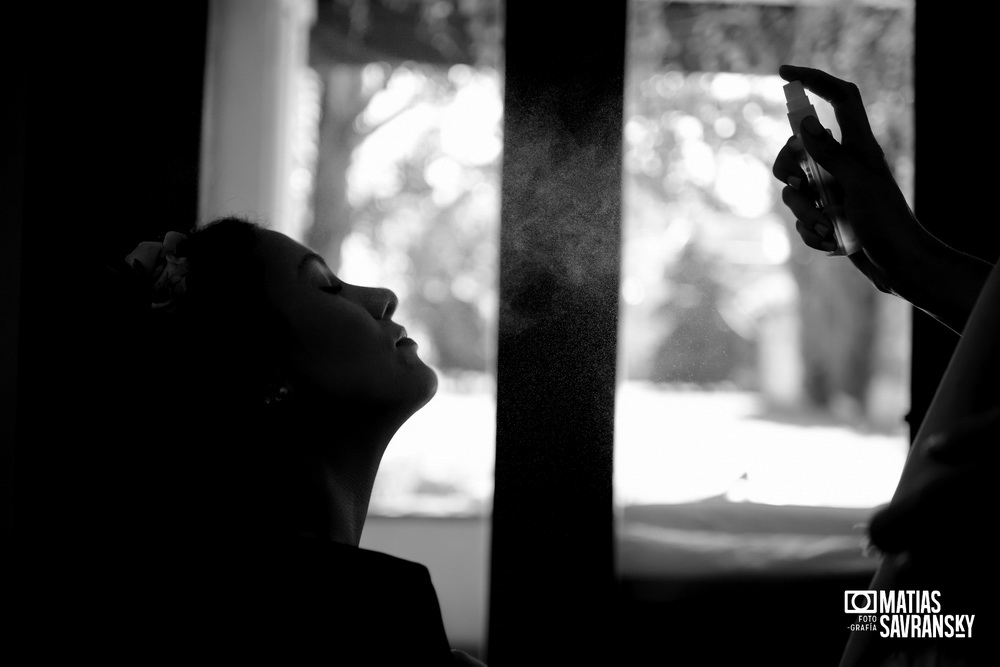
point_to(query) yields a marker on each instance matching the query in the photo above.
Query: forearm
(943, 282)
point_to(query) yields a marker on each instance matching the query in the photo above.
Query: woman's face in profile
(343, 343)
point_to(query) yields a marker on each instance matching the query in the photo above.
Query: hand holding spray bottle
(823, 186)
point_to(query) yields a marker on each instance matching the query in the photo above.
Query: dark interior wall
(112, 98)
(12, 160)
(952, 149)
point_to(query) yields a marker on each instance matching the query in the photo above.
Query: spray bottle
(823, 186)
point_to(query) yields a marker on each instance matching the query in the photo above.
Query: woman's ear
(275, 393)
(274, 386)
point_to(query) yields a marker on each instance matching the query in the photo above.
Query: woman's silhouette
(259, 392)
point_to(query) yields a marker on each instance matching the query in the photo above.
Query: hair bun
(163, 266)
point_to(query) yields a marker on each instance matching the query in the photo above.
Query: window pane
(423, 189)
(754, 369)
(396, 184)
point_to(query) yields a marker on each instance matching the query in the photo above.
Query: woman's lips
(402, 339)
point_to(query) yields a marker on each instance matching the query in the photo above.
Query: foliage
(704, 119)
(424, 193)
(681, 127)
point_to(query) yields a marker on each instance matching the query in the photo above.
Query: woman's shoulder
(343, 591)
(335, 558)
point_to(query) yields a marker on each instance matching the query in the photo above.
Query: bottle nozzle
(795, 95)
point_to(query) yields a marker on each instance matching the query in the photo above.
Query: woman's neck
(329, 485)
(329, 502)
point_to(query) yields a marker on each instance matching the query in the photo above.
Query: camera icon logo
(860, 602)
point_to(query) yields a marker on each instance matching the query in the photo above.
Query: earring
(275, 394)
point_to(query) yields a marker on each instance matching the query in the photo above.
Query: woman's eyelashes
(333, 287)
(329, 283)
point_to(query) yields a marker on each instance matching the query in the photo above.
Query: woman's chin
(429, 388)
(415, 391)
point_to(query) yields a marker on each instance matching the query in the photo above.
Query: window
(397, 178)
(745, 379)
(754, 371)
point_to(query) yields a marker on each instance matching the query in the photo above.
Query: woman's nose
(378, 301)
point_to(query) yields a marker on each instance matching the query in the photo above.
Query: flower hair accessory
(161, 265)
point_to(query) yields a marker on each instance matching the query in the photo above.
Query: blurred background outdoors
(776, 360)
(751, 369)
(785, 370)
(396, 182)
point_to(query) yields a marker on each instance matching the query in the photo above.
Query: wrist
(941, 281)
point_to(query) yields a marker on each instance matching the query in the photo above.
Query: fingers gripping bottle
(823, 186)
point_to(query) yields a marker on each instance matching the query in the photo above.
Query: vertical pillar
(552, 571)
(955, 219)
(255, 48)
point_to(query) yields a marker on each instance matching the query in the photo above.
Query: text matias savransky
(914, 614)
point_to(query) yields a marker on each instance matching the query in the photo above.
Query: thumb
(826, 150)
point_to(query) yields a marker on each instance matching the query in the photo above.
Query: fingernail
(795, 182)
(822, 229)
(829, 246)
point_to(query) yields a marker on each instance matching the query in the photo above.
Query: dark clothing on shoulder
(289, 601)
(330, 603)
